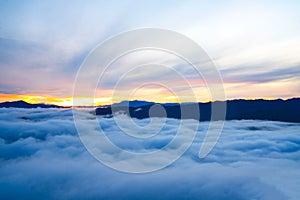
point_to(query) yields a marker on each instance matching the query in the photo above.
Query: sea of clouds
(42, 157)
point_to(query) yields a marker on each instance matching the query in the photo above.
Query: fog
(42, 156)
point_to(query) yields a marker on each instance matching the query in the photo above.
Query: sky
(254, 45)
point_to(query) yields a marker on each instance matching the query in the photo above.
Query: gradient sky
(255, 45)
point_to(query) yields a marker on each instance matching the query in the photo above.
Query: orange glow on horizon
(269, 91)
(32, 98)
(60, 101)
(86, 101)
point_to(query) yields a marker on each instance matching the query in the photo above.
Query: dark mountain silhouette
(134, 104)
(276, 110)
(23, 104)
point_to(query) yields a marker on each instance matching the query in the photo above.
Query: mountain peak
(24, 104)
(134, 103)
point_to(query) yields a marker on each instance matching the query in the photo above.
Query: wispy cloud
(43, 44)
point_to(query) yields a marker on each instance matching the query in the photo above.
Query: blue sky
(254, 44)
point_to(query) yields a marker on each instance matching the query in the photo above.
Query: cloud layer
(41, 156)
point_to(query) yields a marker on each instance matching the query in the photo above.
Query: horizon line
(70, 106)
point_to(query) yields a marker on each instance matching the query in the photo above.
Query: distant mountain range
(23, 104)
(276, 110)
(133, 104)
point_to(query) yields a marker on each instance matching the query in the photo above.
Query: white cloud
(41, 156)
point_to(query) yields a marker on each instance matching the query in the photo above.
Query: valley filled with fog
(42, 156)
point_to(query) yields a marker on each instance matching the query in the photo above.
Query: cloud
(18, 56)
(41, 156)
(256, 75)
(46, 39)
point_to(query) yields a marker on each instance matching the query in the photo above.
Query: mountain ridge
(24, 104)
(238, 109)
